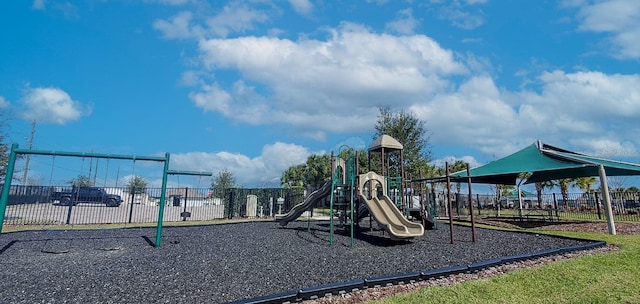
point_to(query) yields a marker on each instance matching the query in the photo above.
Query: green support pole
(309, 220)
(351, 173)
(352, 213)
(7, 184)
(162, 201)
(331, 211)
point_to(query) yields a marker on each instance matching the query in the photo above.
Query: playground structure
(15, 152)
(353, 195)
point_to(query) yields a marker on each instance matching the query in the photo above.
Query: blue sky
(256, 86)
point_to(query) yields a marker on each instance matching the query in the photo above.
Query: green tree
(632, 189)
(137, 184)
(507, 190)
(564, 185)
(293, 176)
(362, 158)
(318, 170)
(585, 183)
(81, 181)
(540, 187)
(432, 171)
(411, 133)
(458, 165)
(221, 182)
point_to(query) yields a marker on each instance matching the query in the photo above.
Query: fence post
(555, 205)
(598, 206)
(184, 210)
(231, 203)
(74, 199)
(133, 197)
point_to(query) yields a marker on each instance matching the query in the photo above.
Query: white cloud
(606, 147)
(212, 98)
(573, 3)
(189, 78)
(476, 115)
(52, 105)
(4, 103)
(472, 40)
(620, 19)
(462, 18)
(249, 171)
(179, 27)
(68, 9)
(302, 7)
(440, 162)
(235, 17)
(39, 4)
(404, 24)
(309, 83)
(464, 14)
(472, 2)
(589, 96)
(587, 111)
(169, 2)
(334, 85)
(378, 2)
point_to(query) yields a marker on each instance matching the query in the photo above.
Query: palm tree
(585, 183)
(293, 176)
(434, 171)
(458, 165)
(540, 186)
(505, 191)
(564, 185)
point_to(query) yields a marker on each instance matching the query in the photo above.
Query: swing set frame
(15, 151)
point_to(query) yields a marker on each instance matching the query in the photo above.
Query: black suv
(86, 195)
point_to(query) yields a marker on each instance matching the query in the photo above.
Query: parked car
(78, 195)
(628, 204)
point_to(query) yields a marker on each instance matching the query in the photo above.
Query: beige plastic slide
(386, 213)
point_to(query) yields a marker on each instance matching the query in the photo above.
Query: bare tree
(617, 183)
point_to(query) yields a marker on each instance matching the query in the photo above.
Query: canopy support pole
(520, 214)
(607, 200)
(449, 205)
(473, 222)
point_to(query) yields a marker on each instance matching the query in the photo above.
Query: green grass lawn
(318, 211)
(600, 278)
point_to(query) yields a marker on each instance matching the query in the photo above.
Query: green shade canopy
(544, 162)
